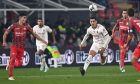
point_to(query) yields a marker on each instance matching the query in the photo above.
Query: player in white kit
(101, 40)
(42, 30)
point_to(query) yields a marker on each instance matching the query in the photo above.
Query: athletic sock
(122, 57)
(137, 66)
(87, 62)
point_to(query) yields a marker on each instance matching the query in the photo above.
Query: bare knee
(41, 52)
(92, 52)
(134, 59)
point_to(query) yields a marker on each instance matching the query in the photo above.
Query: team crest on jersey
(24, 28)
(43, 31)
(104, 30)
(127, 23)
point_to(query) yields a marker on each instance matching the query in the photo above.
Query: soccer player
(101, 40)
(19, 30)
(42, 30)
(122, 26)
(134, 29)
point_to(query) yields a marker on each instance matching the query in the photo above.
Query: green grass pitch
(71, 75)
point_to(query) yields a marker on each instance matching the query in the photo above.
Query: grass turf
(71, 75)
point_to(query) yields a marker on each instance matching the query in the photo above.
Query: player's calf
(103, 57)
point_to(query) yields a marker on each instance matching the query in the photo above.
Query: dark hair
(130, 12)
(124, 10)
(93, 17)
(39, 18)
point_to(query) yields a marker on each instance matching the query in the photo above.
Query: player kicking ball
(101, 40)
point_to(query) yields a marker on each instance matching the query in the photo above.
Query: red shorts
(17, 54)
(137, 50)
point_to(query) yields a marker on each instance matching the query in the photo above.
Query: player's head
(93, 21)
(22, 18)
(130, 12)
(40, 22)
(124, 14)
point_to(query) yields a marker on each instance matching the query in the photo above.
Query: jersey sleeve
(136, 24)
(106, 37)
(34, 29)
(48, 29)
(117, 23)
(104, 31)
(85, 37)
(29, 29)
(11, 28)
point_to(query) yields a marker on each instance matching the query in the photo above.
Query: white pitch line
(73, 75)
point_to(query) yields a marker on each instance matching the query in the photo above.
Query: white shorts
(96, 47)
(41, 47)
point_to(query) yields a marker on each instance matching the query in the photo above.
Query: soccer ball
(93, 7)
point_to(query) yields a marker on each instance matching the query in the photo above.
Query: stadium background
(69, 19)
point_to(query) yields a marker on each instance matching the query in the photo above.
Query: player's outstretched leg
(104, 57)
(11, 68)
(87, 62)
(41, 64)
(45, 64)
(135, 63)
(92, 53)
(122, 57)
(82, 71)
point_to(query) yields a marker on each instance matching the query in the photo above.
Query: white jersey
(42, 32)
(98, 34)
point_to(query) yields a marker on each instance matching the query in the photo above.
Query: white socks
(43, 63)
(87, 62)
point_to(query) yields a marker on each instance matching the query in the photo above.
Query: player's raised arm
(84, 39)
(10, 28)
(52, 32)
(35, 35)
(115, 27)
(107, 38)
(129, 37)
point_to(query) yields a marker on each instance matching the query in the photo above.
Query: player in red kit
(122, 26)
(19, 30)
(134, 29)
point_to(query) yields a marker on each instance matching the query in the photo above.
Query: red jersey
(134, 27)
(123, 29)
(19, 33)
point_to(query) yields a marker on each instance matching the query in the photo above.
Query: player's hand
(125, 46)
(32, 38)
(102, 50)
(45, 42)
(4, 44)
(112, 34)
(81, 46)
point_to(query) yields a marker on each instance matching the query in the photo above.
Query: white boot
(11, 78)
(41, 67)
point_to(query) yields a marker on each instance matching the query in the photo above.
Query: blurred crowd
(67, 33)
(70, 33)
